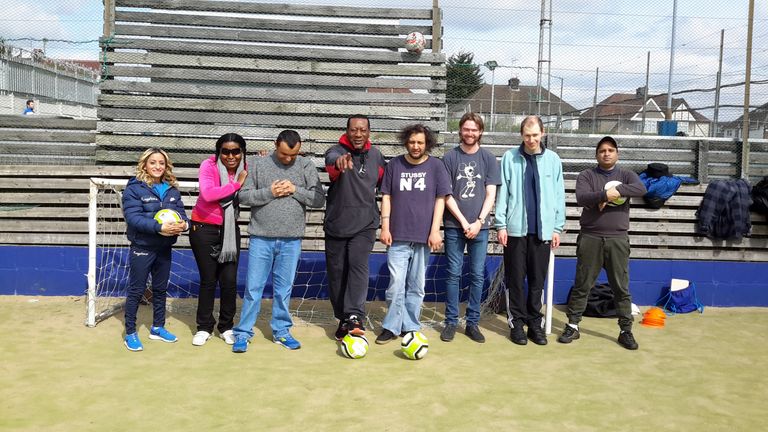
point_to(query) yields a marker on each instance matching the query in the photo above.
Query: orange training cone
(654, 317)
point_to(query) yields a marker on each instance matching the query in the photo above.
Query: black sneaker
(569, 335)
(517, 334)
(448, 333)
(342, 330)
(355, 326)
(473, 332)
(386, 336)
(627, 340)
(536, 335)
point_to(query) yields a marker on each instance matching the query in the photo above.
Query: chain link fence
(602, 58)
(605, 66)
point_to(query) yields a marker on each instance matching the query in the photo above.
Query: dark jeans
(144, 262)
(594, 253)
(346, 260)
(206, 239)
(525, 257)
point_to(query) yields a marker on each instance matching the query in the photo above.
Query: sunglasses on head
(230, 152)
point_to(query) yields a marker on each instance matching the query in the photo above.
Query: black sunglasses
(231, 152)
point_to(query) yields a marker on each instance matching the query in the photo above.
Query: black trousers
(346, 261)
(206, 239)
(525, 258)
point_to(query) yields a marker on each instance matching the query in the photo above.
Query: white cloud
(26, 20)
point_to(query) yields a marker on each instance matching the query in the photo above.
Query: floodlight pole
(492, 65)
(668, 114)
(716, 115)
(594, 100)
(747, 78)
(645, 91)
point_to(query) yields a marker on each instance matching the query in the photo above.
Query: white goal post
(94, 313)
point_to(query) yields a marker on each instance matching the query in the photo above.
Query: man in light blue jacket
(530, 216)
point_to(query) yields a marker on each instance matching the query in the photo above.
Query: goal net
(496, 297)
(108, 252)
(108, 270)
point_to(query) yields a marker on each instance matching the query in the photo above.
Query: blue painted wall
(61, 271)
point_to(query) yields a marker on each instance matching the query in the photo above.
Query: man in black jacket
(355, 169)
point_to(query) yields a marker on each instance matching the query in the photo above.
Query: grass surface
(701, 372)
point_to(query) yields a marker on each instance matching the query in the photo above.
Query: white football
(414, 345)
(415, 42)
(167, 215)
(618, 201)
(354, 347)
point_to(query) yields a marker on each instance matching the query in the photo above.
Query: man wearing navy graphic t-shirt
(413, 190)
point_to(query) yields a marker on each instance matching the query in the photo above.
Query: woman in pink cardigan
(215, 237)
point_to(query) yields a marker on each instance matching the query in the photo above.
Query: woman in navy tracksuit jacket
(154, 188)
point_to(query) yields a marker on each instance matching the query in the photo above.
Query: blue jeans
(477, 249)
(407, 263)
(279, 257)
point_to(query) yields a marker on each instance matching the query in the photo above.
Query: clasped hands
(282, 188)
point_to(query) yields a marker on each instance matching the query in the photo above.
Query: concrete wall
(11, 103)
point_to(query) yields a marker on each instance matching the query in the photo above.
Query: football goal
(108, 251)
(108, 270)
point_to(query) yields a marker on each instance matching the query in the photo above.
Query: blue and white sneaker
(133, 343)
(288, 341)
(240, 345)
(160, 333)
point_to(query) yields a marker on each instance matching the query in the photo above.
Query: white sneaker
(200, 338)
(229, 337)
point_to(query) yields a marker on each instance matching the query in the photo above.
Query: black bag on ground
(600, 302)
(760, 197)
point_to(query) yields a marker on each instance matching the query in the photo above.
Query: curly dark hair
(429, 136)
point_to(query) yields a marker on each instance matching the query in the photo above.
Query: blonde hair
(141, 168)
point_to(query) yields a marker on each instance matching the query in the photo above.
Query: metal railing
(32, 74)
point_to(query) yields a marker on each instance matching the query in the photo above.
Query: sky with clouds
(612, 35)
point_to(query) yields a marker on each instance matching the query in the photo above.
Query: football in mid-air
(415, 345)
(354, 347)
(415, 42)
(618, 201)
(167, 215)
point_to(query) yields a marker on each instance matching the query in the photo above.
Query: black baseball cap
(607, 139)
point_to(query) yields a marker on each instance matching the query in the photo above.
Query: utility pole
(747, 78)
(437, 27)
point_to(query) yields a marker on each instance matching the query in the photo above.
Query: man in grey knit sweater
(279, 188)
(603, 240)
